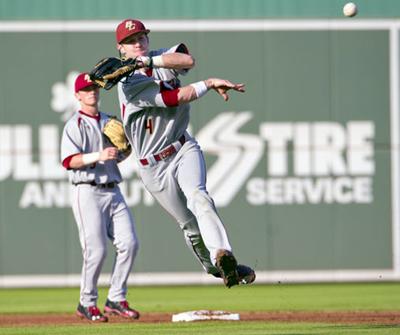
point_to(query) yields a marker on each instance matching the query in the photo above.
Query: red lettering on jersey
(149, 125)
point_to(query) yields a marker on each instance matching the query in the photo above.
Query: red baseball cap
(129, 27)
(83, 81)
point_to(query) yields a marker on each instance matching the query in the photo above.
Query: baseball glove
(109, 71)
(114, 131)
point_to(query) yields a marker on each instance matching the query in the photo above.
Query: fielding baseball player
(155, 113)
(99, 208)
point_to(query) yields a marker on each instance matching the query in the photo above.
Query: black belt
(92, 183)
(168, 151)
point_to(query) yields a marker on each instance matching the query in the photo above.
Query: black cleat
(121, 308)
(91, 313)
(246, 274)
(226, 264)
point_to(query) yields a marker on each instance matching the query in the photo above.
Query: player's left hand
(222, 86)
(110, 70)
(113, 130)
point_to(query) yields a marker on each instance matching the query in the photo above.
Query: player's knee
(134, 247)
(96, 255)
(200, 203)
(130, 247)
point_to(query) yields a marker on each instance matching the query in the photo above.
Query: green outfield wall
(189, 9)
(303, 167)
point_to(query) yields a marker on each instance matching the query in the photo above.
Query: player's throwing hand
(221, 86)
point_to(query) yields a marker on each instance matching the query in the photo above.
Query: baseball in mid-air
(350, 9)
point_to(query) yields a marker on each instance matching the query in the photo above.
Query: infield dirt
(388, 317)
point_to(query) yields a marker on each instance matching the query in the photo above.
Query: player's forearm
(175, 61)
(81, 160)
(197, 90)
(192, 92)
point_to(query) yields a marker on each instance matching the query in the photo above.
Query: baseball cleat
(91, 313)
(246, 274)
(121, 308)
(226, 264)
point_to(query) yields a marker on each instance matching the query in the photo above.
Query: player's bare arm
(81, 160)
(196, 90)
(175, 60)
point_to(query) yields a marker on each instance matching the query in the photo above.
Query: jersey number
(149, 125)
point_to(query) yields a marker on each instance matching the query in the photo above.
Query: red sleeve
(170, 97)
(67, 161)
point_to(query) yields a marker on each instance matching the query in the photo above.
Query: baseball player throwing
(155, 112)
(99, 208)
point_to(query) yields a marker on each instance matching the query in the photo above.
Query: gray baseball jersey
(82, 134)
(144, 100)
(171, 163)
(99, 208)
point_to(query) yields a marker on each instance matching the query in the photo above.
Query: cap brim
(94, 84)
(146, 31)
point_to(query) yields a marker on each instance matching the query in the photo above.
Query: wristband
(146, 60)
(200, 87)
(157, 61)
(91, 158)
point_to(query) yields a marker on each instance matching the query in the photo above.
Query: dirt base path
(390, 318)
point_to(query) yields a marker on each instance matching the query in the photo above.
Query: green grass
(328, 297)
(206, 328)
(321, 297)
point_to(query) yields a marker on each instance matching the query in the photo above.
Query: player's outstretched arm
(197, 90)
(81, 160)
(175, 60)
